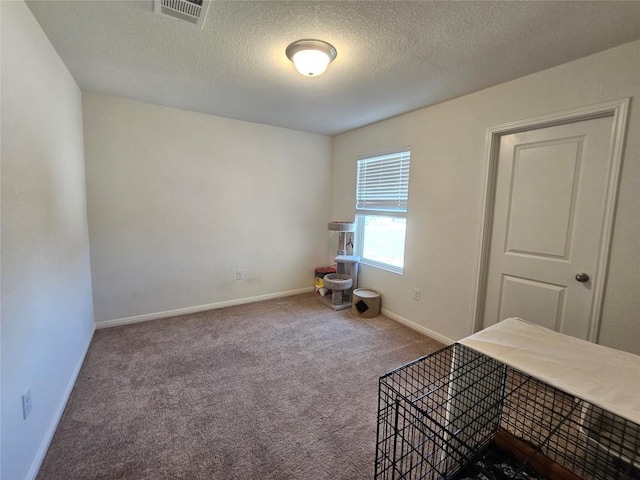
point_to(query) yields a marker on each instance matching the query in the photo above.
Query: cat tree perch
(345, 280)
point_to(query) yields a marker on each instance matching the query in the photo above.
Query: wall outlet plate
(416, 294)
(239, 274)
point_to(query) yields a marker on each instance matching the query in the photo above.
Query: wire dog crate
(456, 413)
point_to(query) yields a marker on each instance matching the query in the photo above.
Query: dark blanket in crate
(495, 464)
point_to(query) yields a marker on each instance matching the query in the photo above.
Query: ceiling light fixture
(311, 57)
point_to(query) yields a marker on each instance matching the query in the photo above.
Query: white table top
(603, 376)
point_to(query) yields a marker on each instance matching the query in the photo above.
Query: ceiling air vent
(192, 11)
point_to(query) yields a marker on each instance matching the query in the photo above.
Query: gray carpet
(282, 389)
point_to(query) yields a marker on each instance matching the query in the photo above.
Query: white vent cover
(192, 11)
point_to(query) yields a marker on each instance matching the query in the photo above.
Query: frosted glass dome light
(311, 62)
(311, 57)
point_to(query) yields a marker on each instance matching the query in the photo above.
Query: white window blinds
(383, 182)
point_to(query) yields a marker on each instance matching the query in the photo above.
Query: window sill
(382, 266)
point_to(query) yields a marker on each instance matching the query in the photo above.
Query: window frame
(359, 241)
(362, 213)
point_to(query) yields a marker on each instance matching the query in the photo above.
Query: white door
(548, 224)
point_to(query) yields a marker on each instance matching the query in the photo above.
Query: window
(382, 192)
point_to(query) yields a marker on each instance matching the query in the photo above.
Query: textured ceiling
(393, 56)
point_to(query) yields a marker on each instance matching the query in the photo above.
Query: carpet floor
(282, 389)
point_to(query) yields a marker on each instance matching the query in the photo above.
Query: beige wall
(445, 199)
(47, 316)
(178, 201)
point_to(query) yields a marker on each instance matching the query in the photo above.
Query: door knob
(582, 277)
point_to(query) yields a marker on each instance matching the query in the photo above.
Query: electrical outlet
(416, 294)
(239, 274)
(26, 404)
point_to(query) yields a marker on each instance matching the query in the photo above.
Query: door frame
(618, 110)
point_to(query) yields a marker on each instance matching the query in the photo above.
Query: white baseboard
(200, 308)
(418, 328)
(51, 430)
